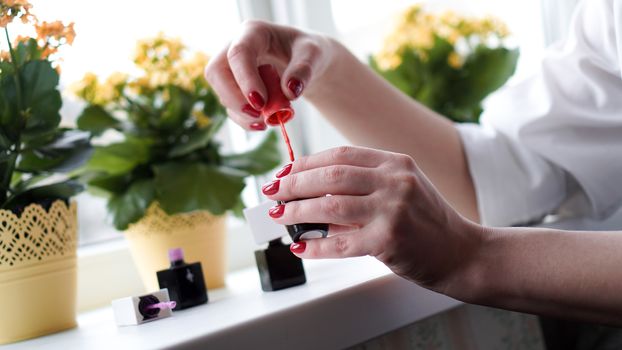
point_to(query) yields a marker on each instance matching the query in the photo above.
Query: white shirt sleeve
(559, 128)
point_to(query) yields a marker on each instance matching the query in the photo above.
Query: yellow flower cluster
(162, 63)
(416, 30)
(100, 93)
(161, 59)
(11, 9)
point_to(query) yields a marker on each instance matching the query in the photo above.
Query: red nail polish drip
(278, 111)
(290, 151)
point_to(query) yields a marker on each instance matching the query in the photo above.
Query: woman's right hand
(301, 59)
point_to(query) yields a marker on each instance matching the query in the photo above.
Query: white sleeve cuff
(513, 185)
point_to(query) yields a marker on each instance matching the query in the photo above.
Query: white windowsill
(342, 304)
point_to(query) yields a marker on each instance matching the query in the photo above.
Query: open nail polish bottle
(184, 282)
(140, 309)
(278, 268)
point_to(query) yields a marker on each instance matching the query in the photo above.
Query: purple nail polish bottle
(184, 282)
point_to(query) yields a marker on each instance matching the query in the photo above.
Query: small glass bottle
(278, 267)
(184, 282)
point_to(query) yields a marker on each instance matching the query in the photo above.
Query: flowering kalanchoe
(448, 62)
(165, 118)
(417, 29)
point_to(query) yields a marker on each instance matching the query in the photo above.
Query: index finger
(344, 155)
(242, 56)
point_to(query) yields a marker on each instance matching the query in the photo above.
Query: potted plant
(37, 220)
(165, 178)
(447, 62)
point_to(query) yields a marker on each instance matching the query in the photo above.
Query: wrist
(473, 280)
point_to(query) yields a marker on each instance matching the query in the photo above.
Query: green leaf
(260, 160)
(130, 206)
(119, 158)
(198, 139)
(184, 187)
(40, 97)
(110, 184)
(96, 120)
(27, 51)
(177, 109)
(60, 190)
(69, 150)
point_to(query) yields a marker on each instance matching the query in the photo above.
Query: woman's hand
(380, 204)
(300, 58)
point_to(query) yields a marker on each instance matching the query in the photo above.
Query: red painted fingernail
(295, 86)
(258, 126)
(271, 188)
(284, 171)
(298, 247)
(256, 100)
(277, 211)
(251, 111)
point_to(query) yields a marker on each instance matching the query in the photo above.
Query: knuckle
(303, 69)
(406, 184)
(333, 207)
(342, 245)
(254, 24)
(334, 174)
(313, 49)
(292, 183)
(238, 50)
(341, 153)
(405, 161)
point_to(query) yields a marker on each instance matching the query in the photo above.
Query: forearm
(372, 113)
(551, 272)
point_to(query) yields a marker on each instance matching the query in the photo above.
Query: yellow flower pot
(200, 234)
(37, 271)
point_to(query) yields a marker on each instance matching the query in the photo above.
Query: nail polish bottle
(278, 108)
(278, 267)
(306, 230)
(184, 282)
(140, 309)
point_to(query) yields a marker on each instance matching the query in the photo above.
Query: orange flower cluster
(11, 9)
(52, 35)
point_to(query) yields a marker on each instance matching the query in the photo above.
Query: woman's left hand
(380, 204)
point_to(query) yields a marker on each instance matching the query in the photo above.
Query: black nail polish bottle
(184, 282)
(306, 230)
(278, 267)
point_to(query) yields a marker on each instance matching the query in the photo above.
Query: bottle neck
(177, 263)
(275, 243)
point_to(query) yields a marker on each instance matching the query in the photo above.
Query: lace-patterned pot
(37, 271)
(200, 234)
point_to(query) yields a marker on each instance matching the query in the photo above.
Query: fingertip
(294, 88)
(298, 247)
(257, 126)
